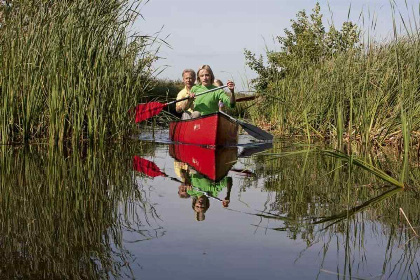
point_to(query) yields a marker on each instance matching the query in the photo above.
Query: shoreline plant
(333, 85)
(70, 71)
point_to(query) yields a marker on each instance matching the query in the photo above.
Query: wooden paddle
(145, 111)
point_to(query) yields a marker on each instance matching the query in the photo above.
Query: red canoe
(211, 130)
(213, 163)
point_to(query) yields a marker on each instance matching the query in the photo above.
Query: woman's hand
(191, 97)
(231, 86)
(225, 203)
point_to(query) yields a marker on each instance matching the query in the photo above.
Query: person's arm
(224, 97)
(226, 201)
(231, 87)
(183, 105)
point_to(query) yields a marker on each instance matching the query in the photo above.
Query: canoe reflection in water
(212, 163)
(202, 172)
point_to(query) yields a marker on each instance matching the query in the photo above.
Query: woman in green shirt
(209, 103)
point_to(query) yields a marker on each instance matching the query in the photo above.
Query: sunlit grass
(70, 71)
(368, 95)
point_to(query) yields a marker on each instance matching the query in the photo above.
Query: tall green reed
(368, 94)
(69, 70)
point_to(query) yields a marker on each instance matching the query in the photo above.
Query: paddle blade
(256, 132)
(252, 130)
(255, 148)
(146, 167)
(147, 110)
(246, 98)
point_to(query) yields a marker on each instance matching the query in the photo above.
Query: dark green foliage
(306, 44)
(166, 88)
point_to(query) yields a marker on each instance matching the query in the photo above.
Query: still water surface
(128, 212)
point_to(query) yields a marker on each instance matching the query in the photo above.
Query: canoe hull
(211, 130)
(212, 163)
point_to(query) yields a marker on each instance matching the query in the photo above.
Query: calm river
(157, 211)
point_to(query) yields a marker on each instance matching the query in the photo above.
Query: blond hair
(218, 83)
(205, 67)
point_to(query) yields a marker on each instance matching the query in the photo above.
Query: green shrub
(330, 85)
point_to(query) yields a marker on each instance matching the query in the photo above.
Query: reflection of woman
(200, 204)
(203, 189)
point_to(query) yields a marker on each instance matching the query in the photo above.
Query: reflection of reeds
(366, 166)
(336, 218)
(318, 168)
(408, 221)
(63, 214)
(329, 202)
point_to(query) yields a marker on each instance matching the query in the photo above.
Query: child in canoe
(209, 103)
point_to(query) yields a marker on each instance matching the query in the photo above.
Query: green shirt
(206, 185)
(209, 102)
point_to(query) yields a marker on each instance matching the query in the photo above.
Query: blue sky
(217, 32)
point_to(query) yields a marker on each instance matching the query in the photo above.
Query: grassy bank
(357, 91)
(69, 71)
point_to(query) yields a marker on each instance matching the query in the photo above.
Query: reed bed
(70, 71)
(368, 93)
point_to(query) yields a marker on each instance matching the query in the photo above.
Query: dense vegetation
(69, 69)
(166, 88)
(332, 84)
